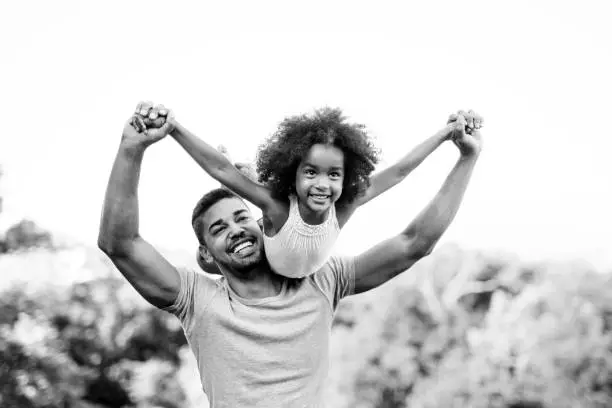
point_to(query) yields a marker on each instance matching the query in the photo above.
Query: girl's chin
(319, 209)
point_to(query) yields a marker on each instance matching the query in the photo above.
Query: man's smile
(242, 246)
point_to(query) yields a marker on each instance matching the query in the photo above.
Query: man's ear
(205, 254)
(206, 262)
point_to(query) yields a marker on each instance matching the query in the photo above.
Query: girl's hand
(248, 170)
(245, 168)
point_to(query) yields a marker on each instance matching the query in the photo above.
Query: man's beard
(245, 265)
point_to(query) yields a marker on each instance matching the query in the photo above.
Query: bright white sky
(540, 72)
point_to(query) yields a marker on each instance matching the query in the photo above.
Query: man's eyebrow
(220, 221)
(214, 224)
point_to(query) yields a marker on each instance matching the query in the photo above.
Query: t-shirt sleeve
(195, 292)
(337, 278)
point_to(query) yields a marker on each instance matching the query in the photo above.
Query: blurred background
(514, 307)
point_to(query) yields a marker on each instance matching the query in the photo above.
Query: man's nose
(235, 229)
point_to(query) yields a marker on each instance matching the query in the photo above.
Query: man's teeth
(242, 246)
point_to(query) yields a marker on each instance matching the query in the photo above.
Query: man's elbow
(112, 247)
(107, 247)
(419, 247)
(103, 243)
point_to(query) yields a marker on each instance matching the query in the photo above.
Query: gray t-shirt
(271, 352)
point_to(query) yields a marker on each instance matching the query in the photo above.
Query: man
(260, 339)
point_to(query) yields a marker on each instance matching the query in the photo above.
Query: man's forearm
(433, 221)
(120, 212)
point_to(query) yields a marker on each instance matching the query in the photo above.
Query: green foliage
(23, 235)
(510, 335)
(26, 235)
(92, 345)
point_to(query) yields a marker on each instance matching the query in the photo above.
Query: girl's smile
(318, 182)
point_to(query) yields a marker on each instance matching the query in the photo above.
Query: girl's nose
(323, 182)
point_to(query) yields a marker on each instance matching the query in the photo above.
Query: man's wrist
(470, 155)
(131, 148)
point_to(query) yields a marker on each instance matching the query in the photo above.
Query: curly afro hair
(280, 155)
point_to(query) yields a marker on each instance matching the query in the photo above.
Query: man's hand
(148, 125)
(465, 128)
(153, 116)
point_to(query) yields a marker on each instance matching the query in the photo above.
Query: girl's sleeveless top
(300, 249)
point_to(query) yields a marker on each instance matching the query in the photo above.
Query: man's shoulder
(200, 278)
(337, 263)
(336, 278)
(337, 267)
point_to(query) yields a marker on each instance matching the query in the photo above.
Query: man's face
(232, 236)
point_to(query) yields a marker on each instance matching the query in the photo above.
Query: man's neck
(258, 283)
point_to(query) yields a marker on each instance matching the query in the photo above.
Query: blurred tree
(507, 335)
(33, 373)
(67, 348)
(1, 194)
(26, 235)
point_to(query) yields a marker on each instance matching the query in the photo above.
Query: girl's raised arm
(220, 168)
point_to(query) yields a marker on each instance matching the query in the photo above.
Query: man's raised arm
(142, 265)
(395, 255)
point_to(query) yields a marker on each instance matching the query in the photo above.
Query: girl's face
(319, 178)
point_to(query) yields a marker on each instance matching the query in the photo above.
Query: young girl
(314, 172)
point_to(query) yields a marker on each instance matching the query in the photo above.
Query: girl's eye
(243, 218)
(335, 174)
(217, 230)
(309, 172)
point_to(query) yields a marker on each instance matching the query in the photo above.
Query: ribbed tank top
(300, 249)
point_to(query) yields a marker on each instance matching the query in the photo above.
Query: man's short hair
(208, 200)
